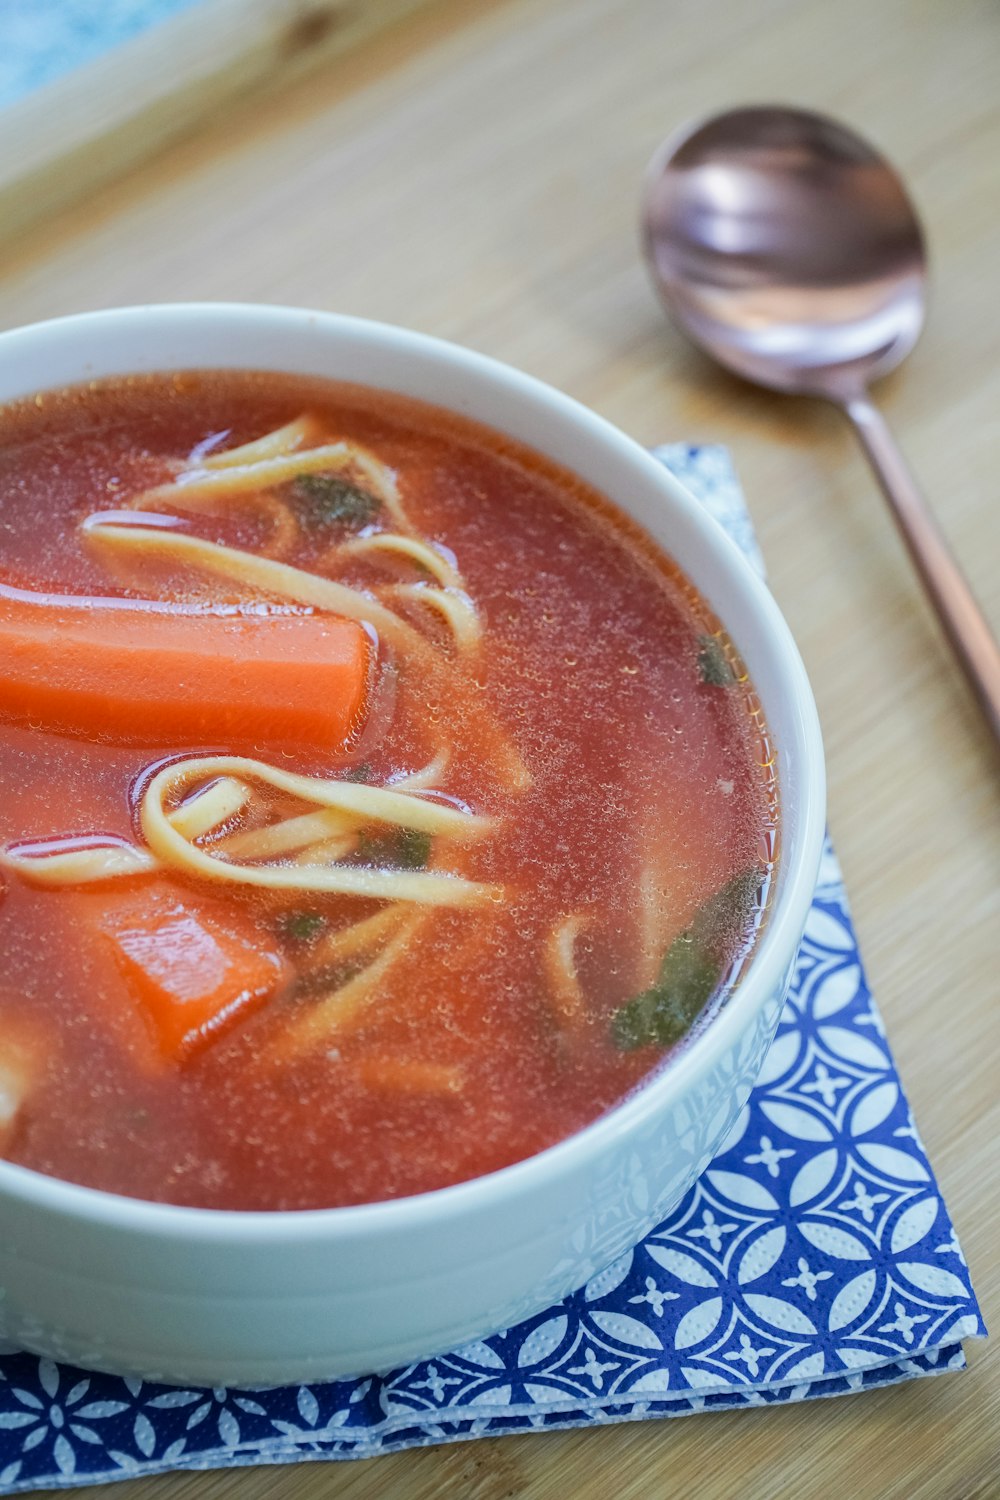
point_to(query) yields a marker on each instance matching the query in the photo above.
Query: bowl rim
(798, 866)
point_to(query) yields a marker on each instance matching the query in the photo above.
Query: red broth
(174, 1038)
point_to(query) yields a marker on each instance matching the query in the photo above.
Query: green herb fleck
(400, 848)
(713, 663)
(327, 499)
(692, 968)
(302, 926)
(361, 772)
(323, 981)
(414, 849)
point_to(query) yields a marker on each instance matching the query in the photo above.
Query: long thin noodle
(82, 866)
(286, 837)
(285, 535)
(327, 851)
(90, 862)
(410, 1075)
(412, 781)
(287, 439)
(248, 474)
(351, 942)
(409, 547)
(453, 605)
(382, 480)
(372, 803)
(344, 1007)
(256, 572)
(284, 527)
(265, 474)
(210, 806)
(651, 924)
(15, 1082)
(171, 834)
(213, 477)
(369, 803)
(559, 963)
(291, 440)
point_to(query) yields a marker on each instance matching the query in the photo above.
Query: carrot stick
(173, 677)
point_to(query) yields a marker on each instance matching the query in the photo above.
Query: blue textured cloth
(814, 1257)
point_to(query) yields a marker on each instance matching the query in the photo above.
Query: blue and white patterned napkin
(814, 1257)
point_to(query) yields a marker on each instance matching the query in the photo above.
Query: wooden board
(83, 129)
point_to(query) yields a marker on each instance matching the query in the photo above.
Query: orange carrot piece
(165, 677)
(195, 970)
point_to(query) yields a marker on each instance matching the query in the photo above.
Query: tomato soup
(377, 805)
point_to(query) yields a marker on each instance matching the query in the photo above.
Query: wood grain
(63, 141)
(474, 173)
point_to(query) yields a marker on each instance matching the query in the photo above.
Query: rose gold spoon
(788, 250)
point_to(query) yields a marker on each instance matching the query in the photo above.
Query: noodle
(420, 780)
(281, 441)
(421, 553)
(326, 851)
(286, 528)
(13, 1090)
(369, 803)
(171, 835)
(382, 480)
(286, 837)
(558, 959)
(80, 866)
(255, 572)
(212, 805)
(351, 942)
(453, 605)
(268, 463)
(343, 1007)
(652, 924)
(285, 535)
(405, 1075)
(237, 479)
(372, 803)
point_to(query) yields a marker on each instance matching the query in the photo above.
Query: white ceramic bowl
(202, 1296)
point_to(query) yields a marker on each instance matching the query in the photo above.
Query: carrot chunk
(171, 677)
(192, 969)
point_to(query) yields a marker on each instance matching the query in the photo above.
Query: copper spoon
(787, 248)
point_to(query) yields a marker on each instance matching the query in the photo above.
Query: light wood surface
(60, 143)
(474, 172)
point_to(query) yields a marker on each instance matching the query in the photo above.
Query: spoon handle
(960, 615)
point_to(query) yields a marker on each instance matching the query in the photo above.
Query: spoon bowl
(787, 248)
